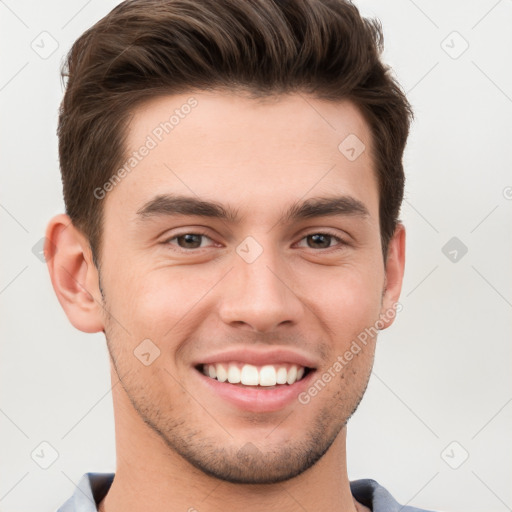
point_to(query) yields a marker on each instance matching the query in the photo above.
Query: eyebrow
(172, 205)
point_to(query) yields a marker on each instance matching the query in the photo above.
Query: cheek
(347, 298)
(159, 300)
(159, 303)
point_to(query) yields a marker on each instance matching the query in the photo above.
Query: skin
(179, 446)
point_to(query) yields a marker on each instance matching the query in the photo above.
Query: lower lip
(257, 398)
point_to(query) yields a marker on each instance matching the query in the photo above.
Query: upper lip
(261, 357)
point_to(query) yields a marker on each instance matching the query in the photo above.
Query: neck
(151, 476)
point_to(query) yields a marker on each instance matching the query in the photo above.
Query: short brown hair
(144, 48)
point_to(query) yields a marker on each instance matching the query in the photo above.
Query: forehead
(242, 151)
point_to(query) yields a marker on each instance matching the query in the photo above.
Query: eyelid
(193, 231)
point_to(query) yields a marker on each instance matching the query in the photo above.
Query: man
(232, 175)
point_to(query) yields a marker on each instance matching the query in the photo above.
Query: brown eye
(323, 241)
(188, 240)
(320, 240)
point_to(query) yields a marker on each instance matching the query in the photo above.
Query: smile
(254, 379)
(268, 376)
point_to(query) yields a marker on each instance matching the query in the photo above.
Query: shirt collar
(93, 487)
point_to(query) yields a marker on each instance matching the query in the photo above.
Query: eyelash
(342, 243)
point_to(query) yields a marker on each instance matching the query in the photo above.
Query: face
(244, 245)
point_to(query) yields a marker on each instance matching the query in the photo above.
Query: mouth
(269, 376)
(255, 380)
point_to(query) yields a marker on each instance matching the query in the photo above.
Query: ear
(73, 274)
(395, 265)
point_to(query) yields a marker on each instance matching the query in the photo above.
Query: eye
(188, 240)
(194, 240)
(323, 240)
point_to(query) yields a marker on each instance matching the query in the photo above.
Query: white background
(442, 372)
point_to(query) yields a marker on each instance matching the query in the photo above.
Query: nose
(258, 295)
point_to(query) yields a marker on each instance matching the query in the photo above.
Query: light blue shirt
(93, 487)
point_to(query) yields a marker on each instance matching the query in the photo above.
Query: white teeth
(268, 376)
(249, 375)
(222, 374)
(281, 375)
(292, 375)
(233, 374)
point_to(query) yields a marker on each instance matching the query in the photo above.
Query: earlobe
(74, 276)
(395, 265)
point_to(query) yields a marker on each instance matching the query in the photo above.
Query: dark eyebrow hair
(169, 205)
